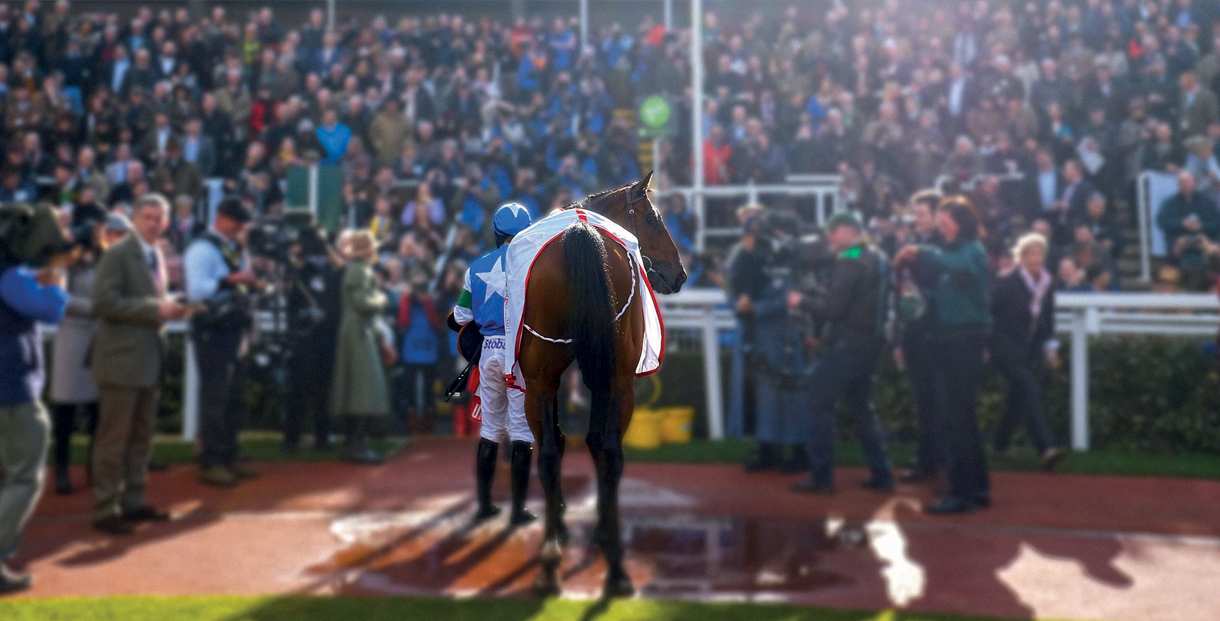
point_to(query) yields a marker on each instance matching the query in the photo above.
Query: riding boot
(484, 472)
(523, 453)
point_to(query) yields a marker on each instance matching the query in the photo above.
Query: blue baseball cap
(511, 219)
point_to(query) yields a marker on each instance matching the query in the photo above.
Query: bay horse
(577, 284)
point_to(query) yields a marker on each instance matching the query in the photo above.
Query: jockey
(482, 301)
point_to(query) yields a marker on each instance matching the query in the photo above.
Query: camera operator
(314, 303)
(855, 305)
(778, 353)
(218, 279)
(27, 296)
(745, 277)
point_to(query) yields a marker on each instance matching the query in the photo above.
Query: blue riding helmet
(510, 219)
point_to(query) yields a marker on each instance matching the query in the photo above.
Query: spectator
(1023, 311)
(419, 324)
(1199, 105)
(1188, 213)
(963, 319)
(72, 387)
(333, 136)
(131, 304)
(358, 393)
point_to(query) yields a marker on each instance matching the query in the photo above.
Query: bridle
(634, 231)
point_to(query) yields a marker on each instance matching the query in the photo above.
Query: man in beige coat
(127, 361)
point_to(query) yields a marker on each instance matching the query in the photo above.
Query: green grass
(259, 446)
(421, 609)
(265, 447)
(1090, 462)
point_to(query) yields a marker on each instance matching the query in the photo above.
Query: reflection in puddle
(706, 557)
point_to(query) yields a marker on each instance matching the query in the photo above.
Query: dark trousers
(64, 423)
(1024, 403)
(417, 396)
(221, 413)
(308, 394)
(920, 360)
(846, 372)
(957, 393)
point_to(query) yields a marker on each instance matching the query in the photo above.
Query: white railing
(824, 189)
(1077, 314)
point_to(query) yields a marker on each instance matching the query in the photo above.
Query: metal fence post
(711, 374)
(1080, 379)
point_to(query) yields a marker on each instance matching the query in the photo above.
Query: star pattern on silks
(495, 280)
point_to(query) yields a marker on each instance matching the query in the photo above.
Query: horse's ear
(644, 184)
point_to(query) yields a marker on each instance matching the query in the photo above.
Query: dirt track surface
(1062, 546)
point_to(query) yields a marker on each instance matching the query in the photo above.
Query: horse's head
(631, 207)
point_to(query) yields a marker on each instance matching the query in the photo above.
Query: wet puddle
(670, 556)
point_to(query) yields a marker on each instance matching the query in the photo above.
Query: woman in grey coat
(359, 391)
(72, 387)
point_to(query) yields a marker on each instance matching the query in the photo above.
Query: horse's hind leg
(561, 528)
(549, 455)
(607, 449)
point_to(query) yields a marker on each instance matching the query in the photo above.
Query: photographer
(26, 297)
(217, 278)
(72, 386)
(855, 305)
(314, 309)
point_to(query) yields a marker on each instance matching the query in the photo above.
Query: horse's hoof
(546, 586)
(618, 584)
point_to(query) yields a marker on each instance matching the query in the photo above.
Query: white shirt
(956, 88)
(1046, 188)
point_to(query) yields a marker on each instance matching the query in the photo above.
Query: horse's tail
(591, 317)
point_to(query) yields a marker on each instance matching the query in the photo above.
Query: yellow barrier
(644, 432)
(676, 424)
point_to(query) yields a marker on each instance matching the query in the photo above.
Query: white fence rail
(824, 189)
(1079, 315)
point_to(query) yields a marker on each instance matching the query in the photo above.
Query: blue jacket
(334, 141)
(23, 303)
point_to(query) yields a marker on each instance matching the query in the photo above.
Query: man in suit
(1199, 107)
(127, 361)
(153, 146)
(175, 175)
(198, 148)
(1074, 193)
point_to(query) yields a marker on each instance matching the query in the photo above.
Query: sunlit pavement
(1062, 546)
